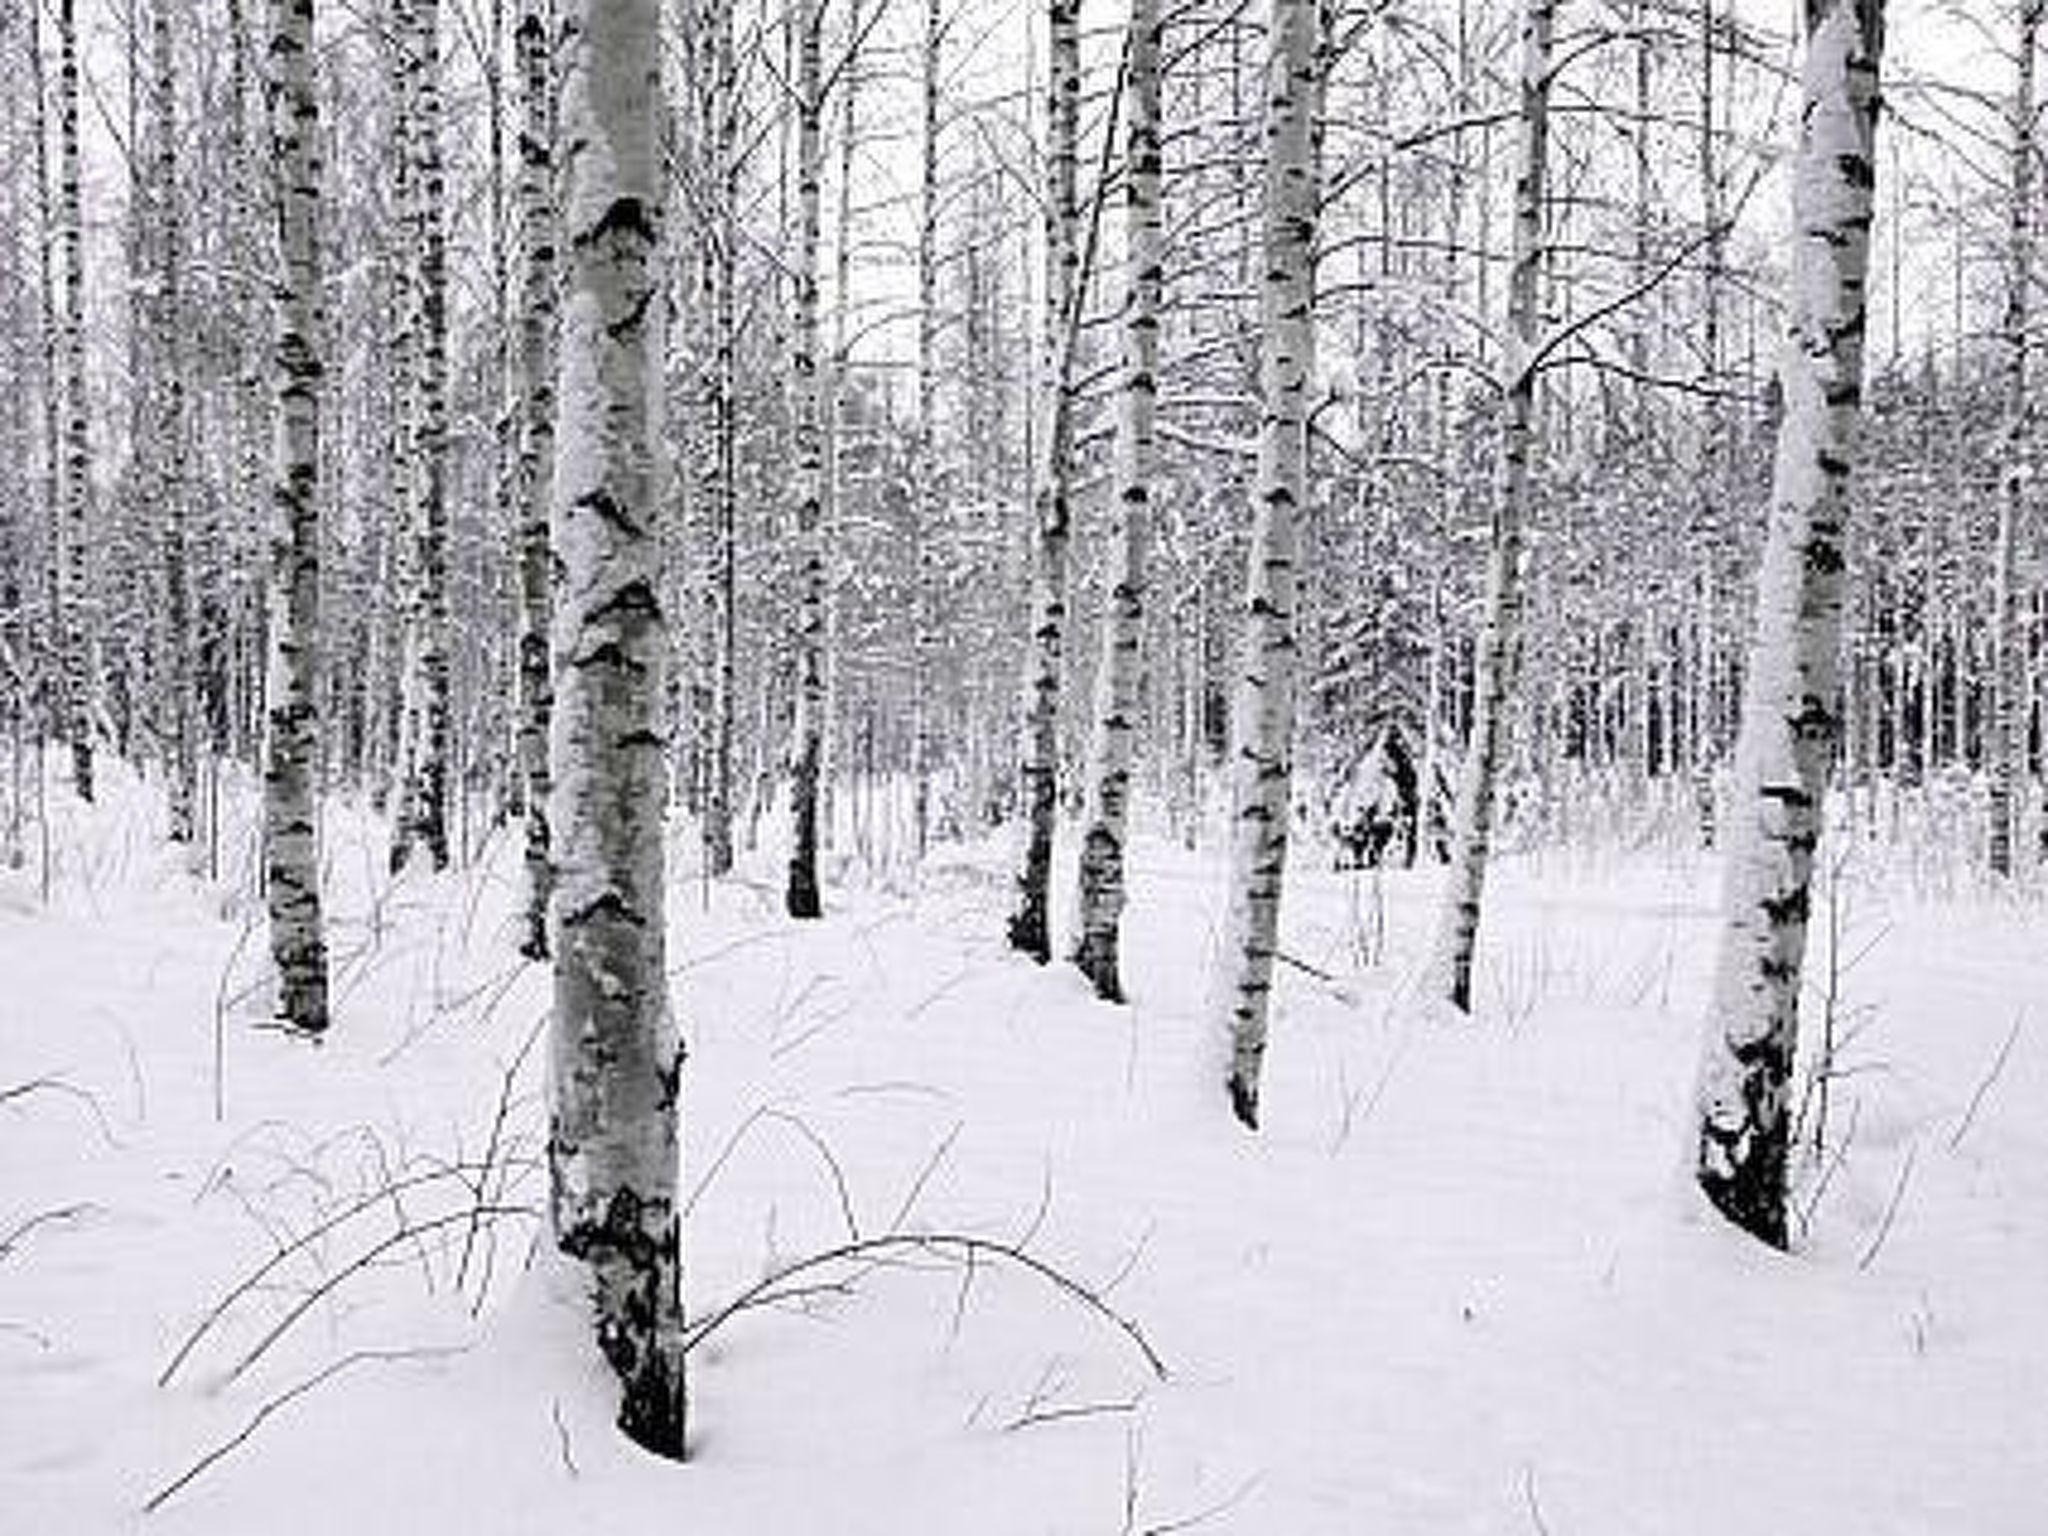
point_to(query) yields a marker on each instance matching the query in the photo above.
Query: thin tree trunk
(396, 595)
(2007, 745)
(923, 599)
(1790, 719)
(80, 695)
(170, 432)
(612, 1146)
(290, 816)
(1030, 925)
(535, 489)
(1105, 825)
(53, 580)
(802, 897)
(424, 807)
(1263, 723)
(1458, 923)
(724, 187)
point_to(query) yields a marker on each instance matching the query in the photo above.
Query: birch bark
(2009, 693)
(80, 694)
(724, 189)
(801, 897)
(535, 383)
(1105, 824)
(1263, 722)
(923, 619)
(170, 435)
(1472, 838)
(423, 820)
(290, 816)
(1030, 926)
(1790, 710)
(616, 1054)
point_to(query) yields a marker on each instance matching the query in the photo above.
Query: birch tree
(1052, 493)
(170, 433)
(723, 189)
(923, 639)
(291, 861)
(616, 1053)
(1465, 881)
(1105, 825)
(801, 896)
(80, 695)
(1263, 720)
(423, 810)
(1790, 712)
(2007, 747)
(536, 426)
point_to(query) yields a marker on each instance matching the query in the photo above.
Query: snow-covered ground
(1456, 1285)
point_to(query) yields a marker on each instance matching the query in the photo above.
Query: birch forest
(1102, 766)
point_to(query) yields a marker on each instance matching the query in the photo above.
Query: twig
(562, 1436)
(1535, 1509)
(803, 1129)
(325, 1374)
(939, 1244)
(483, 1178)
(1302, 965)
(53, 1084)
(931, 1166)
(1222, 1506)
(1834, 1165)
(1984, 1087)
(56, 1213)
(1891, 1209)
(220, 1011)
(1130, 1260)
(1372, 1100)
(361, 1262)
(1073, 1411)
(257, 1276)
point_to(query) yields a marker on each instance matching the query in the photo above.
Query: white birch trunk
(291, 845)
(617, 1058)
(1790, 711)
(423, 818)
(1105, 824)
(718, 819)
(1472, 836)
(535, 384)
(2006, 749)
(924, 639)
(802, 897)
(397, 694)
(80, 695)
(1030, 927)
(177, 682)
(1262, 732)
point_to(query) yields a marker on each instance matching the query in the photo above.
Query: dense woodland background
(1664, 221)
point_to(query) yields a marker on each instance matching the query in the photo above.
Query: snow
(1457, 1283)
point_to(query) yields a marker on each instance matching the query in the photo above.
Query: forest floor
(1456, 1285)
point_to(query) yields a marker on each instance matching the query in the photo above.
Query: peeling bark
(1472, 836)
(535, 363)
(1106, 821)
(1030, 928)
(801, 897)
(1790, 709)
(2005, 749)
(616, 1055)
(291, 846)
(81, 703)
(1262, 728)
